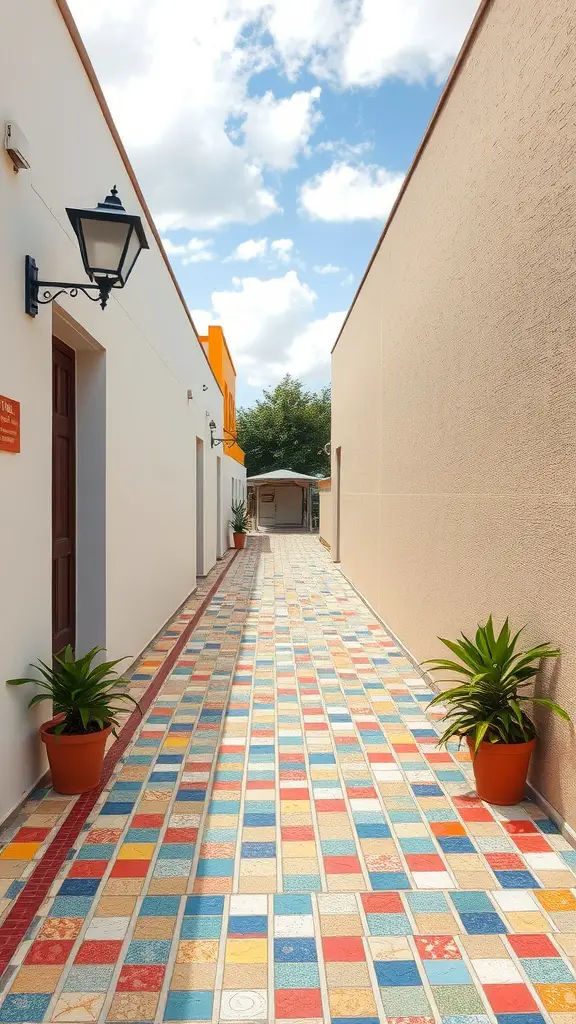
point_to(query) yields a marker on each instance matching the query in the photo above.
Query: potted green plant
(87, 699)
(488, 708)
(240, 523)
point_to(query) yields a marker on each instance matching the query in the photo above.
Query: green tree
(287, 428)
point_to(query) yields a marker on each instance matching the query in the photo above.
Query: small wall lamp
(110, 241)
(221, 440)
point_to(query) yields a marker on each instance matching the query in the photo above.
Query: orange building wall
(225, 373)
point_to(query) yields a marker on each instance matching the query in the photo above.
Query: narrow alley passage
(280, 839)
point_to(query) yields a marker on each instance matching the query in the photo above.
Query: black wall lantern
(110, 241)
(221, 440)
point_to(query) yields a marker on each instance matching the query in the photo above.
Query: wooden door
(63, 496)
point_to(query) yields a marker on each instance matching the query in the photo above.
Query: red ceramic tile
(475, 814)
(110, 835)
(520, 827)
(360, 793)
(130, 869)
(141, 978)
(382, 903)
(99, 951)
(342, 949)
(447, 828)
(181, 835)
(49, 951)
(297, 834)
(88, 869)
(437, 947)
(301, 793)
(505, 862)
(436, 758)
(425, 862)
(379, 758)
(531, 843)
(330, 805)
(31, 835)
(342, 866)
(532, 945)
(514, 998)
(298, 1003)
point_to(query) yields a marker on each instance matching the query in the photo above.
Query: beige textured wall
(459, 490)
(326, 513)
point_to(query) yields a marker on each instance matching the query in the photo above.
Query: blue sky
(271, 138)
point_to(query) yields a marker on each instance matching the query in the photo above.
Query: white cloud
(251, 249)
(328, 268)
(202, 319)
(345, 192)
(271, 329)
(177, 75)
(196, 250)
(362, 42)
(411, 39)
(283, 249)
(346, 281)
(275, 131)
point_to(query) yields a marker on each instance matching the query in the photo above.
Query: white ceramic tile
(250, 904)
(515, 899)
(107, 928)
(239, 1004)
(545, 862)
(337, 903)
(496, 972)
(293, 926)
(432, 880)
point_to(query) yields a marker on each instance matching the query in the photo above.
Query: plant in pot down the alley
(87, 699)
(240, 523)
(488, 708)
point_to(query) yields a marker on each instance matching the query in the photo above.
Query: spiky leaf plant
(240, 521)
(488, 704)
(90, 697)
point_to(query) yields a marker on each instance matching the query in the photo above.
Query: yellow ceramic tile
(136, 851)
(555, 900)
(20, 851)
(558, 997)
(247, 951)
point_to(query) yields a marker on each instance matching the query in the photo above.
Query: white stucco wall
(233, 489)
(135, 362)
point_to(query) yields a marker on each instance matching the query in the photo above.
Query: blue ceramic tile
(447, 972)
(284, 905)
(295, 951)
(189, 1006)
(201, 928)
(26, 1007)
(204, 905)
(396, 973)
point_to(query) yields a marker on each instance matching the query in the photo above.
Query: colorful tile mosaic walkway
(282, 840)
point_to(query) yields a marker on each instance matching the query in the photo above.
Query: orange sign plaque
(9, 425)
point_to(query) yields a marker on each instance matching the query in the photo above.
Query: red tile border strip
(34, 893)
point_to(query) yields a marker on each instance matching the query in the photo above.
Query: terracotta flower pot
(501, 770)
(239, 540)
(75, 761)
